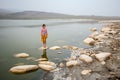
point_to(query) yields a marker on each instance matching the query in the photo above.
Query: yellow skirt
(44, 37)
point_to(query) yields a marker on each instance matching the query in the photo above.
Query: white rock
(100, 37)
(89, 41)
(93, 29)
(94, 34)
(59, 52)
(72, 63)
(22, 55)
(103, 62)
(23, 68)
(42, 59)
(55, 70)
(86, 58)
(102, 56)
(106, 29)
(55, 48)
(70, 47)
(46, 67)
(85, 72)
(73, 58)
(47, 63)
(61, 65)
(74, 47)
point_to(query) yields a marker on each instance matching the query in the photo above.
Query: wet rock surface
(104, 57)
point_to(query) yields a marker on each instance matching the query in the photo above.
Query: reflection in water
(46, 75)
(44, 55)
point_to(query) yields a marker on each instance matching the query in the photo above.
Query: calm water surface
(17, 36)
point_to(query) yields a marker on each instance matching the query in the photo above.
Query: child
(44, 35)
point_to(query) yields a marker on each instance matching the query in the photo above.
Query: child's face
(44, 27)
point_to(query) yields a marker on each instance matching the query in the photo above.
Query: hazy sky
(76, 7)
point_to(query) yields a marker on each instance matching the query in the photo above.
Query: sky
(73, 7)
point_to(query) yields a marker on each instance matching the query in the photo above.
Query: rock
(105, 29)
(65, 47)
(31, 58)
(72, 63)
(55, 48)
(103, 62)
(85, 72)
(56, 70)
(61, 65)
(42, 59)
(89, 41)
(86, 58)
(102, 56)
(22, 55)
(92, 55)
(94, 34)
(73, 58)
(93, 29)
(23, 68)
(70, 47)
(74, 47)
(59, 52)
(100, 37)
(18, 64)
(47, 65)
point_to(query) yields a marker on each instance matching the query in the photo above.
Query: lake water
(18, 36)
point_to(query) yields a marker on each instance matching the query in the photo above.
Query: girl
(44, 35)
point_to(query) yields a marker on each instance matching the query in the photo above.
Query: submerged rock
(22, 55)
(102, 56)
(23, 68)
(55, 48)
(86, 58)
(70, 47)
(89, 41)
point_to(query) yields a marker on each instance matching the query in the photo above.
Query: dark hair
(43, 25)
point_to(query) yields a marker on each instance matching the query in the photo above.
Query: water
(17, 36)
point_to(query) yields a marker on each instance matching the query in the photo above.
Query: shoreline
(102, 61)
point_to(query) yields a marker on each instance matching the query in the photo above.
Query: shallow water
(17, 36)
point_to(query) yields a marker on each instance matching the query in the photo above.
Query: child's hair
(43, 25)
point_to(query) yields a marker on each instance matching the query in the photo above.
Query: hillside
(7, 14)
(34, 15)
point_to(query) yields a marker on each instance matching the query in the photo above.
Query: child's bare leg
(44, 44)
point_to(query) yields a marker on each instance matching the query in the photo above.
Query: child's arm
(47, 33)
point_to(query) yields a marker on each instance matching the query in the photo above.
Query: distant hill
(7, 14)
(4, 11)
(35, 15)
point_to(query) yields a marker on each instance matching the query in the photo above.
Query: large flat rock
(23, 68)
(21, 55)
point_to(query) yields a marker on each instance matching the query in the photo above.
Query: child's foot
(45, 47)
